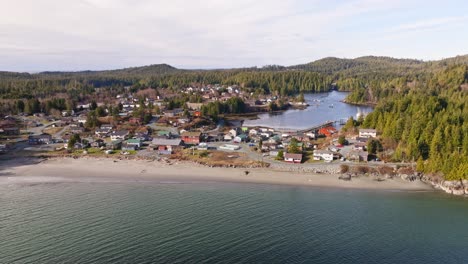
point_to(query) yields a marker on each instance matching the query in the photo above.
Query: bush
(203, 154)
(362, 169)
(344, 168)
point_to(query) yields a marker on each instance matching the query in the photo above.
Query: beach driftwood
(345, 177)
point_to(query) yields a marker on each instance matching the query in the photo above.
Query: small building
(135, 120)
(164, 133)
(367, 133)
(320, 154)
(40, 139)
(253, 132)
(233, 132)
(10, 131)
(357, 155)
(129, 147)
(191, 138)
(194, 106)
(360, 146)
(327, 131)
(240, 138)
(102, 132)
(119, 135)
(293, 157)
(229, 147)
(362, 139)
(228, 137)
(166, 146)
(97, 143)
(173, 113)
(134, 142)
(115, 144)
(77, 130)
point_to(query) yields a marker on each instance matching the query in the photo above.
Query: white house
(253, 132)
(233, 132)
(367, 133)
(320, 154)
(292, 157)
(119, 135)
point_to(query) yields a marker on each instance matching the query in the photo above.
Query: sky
(71, 35)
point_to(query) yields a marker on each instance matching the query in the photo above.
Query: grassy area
(53, 130)
(218, 158)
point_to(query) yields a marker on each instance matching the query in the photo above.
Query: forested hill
(336, 67)
(361, 65)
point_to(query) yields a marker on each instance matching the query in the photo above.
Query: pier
(310, 129)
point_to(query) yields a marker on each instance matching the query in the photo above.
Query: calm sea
(322, 107)
(227, 223)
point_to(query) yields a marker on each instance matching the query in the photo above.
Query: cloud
(97, 34)
(429, 24)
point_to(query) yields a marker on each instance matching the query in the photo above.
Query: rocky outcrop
(457, 187)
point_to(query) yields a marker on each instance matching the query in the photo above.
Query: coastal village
(148, 125)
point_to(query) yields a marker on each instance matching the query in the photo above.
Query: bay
(322, 107)
(204, 222)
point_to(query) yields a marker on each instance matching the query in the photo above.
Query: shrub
(344, 168)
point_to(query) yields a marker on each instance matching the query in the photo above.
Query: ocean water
(323, 107)
(203, 222)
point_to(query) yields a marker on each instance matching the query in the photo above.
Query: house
(362, 139)
(135, 120)
(173, 113)
(134, 142)
(215, 137)
(100, 132)
(115, 144)
(253, 132)
(79, 145)
(293, 157)
(98, 143)
(367, 133)
(240, 138)
(194, 106)
(129, 147)
(108, 127)
(311, 135)
(8, 127)
(233, 132)
(40, 139)
(274, 153)
(3, 148)
(164, 133)
(269, 145)
(360, 146)
(82, 119)
(228, 137)
(166, 146)
(10, 131)
(76, 130)
(191, 138)
(266, 134)
(357, 155)
(320, 154)
(327, 131)
(120, 134)
(143, 136)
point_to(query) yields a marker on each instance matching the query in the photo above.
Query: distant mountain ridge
(328, 65)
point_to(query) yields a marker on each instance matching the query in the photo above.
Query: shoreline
(103, 170)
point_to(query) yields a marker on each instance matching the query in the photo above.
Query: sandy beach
(109, 170)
